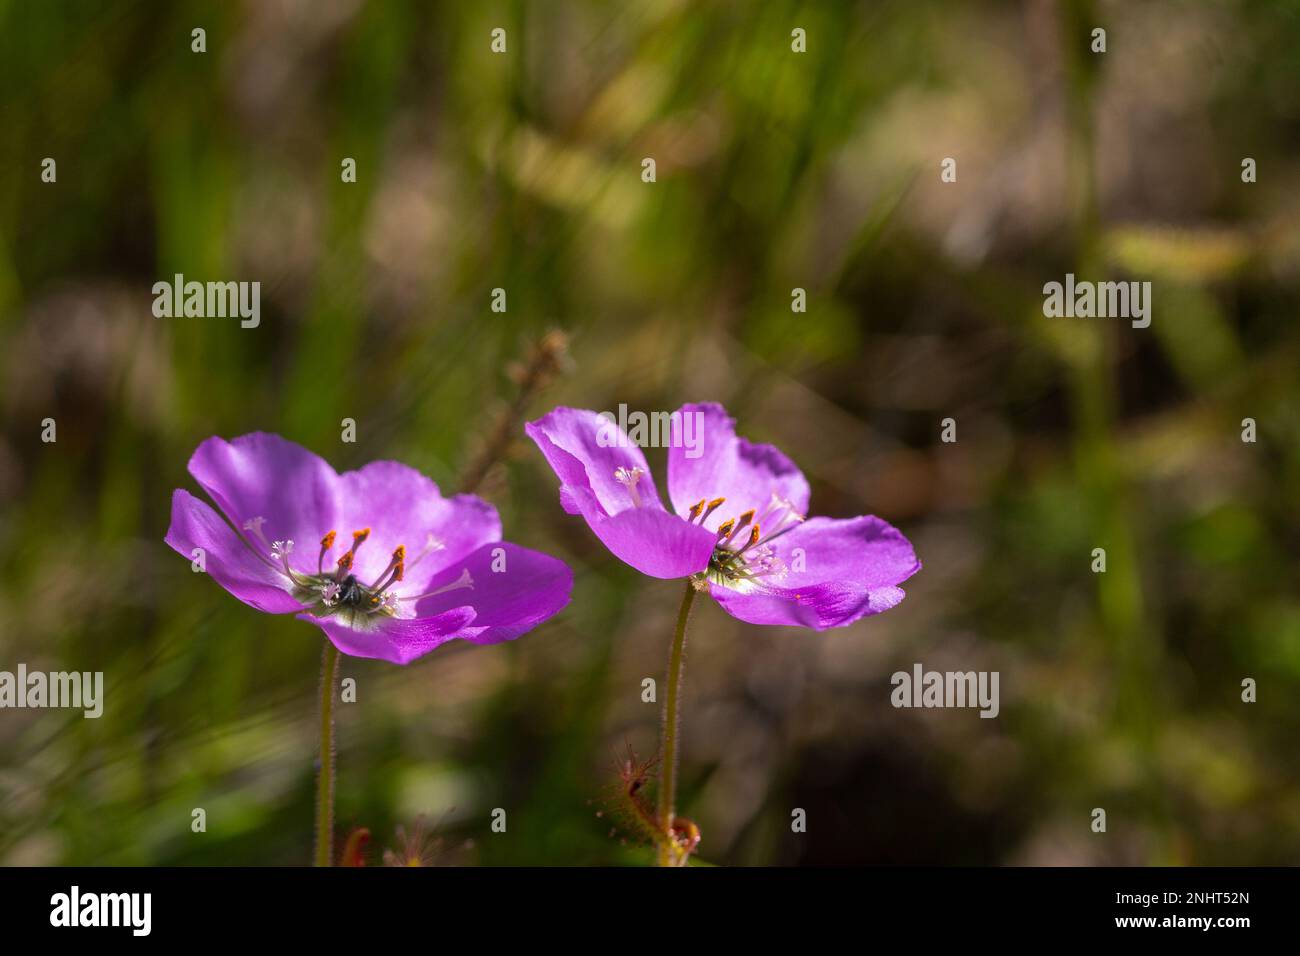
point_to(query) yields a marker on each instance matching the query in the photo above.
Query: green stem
(329, 670)
(668, 757)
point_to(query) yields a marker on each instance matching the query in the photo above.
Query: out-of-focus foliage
(775, 170)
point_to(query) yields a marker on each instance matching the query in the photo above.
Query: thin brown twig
(548, 358)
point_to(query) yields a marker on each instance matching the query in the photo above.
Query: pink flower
(738, 522)
(377, 558)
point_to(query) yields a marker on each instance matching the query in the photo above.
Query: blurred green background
(775, 170)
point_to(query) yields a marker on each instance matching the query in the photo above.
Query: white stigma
(280, 550)
(254, 527)
(628, 478)
(465, 580)
(779, 516)
(763, 562)
(431, 544)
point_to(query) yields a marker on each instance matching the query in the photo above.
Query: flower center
(338, 591)
(743, 557)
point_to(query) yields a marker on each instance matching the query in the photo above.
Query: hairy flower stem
(329, 670)
(669, 854)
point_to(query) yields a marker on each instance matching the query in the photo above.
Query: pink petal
(228, 559)
(744, 473)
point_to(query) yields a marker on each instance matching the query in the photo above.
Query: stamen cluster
(743, 560)
(338, 591)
